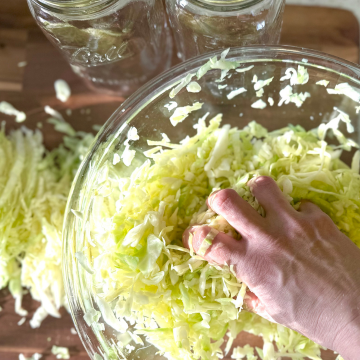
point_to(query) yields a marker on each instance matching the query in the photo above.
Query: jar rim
(77, 8)
(225, 5)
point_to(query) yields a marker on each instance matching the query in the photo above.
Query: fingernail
(211, 198)
(251, 182)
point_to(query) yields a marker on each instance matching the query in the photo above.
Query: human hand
(302, 271)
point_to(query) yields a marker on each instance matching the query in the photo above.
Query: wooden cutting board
(30, 88)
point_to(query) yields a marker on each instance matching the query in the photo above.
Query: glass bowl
(145, 110)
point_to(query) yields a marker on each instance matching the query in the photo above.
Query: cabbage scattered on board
(8, 109)
(236, 92)
(179, 302)
(323, 83)
(35, 356)
(34, 186)
(60, 352)
(62, 90)
(260, 104)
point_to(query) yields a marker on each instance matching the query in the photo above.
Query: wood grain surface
(30, 88)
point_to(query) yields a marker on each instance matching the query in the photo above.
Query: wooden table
(31, 88)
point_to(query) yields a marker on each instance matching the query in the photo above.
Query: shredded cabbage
(35, 356)
(260, 104)
(34, 185)
(60, 352)
(323, 83)
(8, 109)
(287, 96)
(193, 87)
(181, 113)
(262, 83)
(260, 93)
(236, 92)
(171, 105)
(62, 90)
(299, 77)
(347, 90)
(183, 305)
(244, 69)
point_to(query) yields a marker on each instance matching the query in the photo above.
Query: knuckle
(223, 198)
(263, 182)
(319, 218)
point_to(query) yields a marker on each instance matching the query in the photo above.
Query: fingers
(223, 248)
(253, 304)
(269, 195)
(239, 213)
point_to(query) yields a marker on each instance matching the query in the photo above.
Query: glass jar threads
(201, 26)
(114, 45)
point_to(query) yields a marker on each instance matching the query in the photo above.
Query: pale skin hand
(301, 270)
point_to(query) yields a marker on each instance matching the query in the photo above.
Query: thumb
(220, 249)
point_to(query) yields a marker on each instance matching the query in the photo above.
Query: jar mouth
(77, 8)
(225, 5)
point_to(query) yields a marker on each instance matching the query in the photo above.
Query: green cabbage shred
(183, 305)
(34, 186)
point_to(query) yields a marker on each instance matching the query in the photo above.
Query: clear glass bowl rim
(142, 98)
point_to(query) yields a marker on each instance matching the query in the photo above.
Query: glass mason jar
(201, 26)
(114, 45)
